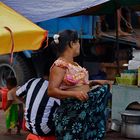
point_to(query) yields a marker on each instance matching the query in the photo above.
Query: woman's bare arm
(55, 79)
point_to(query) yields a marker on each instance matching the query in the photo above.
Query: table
(122, 96)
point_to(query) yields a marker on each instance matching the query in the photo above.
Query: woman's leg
(20, 118)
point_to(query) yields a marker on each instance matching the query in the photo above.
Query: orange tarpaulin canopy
(17, 32)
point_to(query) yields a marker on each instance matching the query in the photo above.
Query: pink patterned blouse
(75, 75)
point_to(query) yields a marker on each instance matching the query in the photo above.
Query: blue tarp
(40, 10)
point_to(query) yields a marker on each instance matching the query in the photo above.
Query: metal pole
(117, 43)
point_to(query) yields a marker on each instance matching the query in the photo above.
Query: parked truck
(29, 64)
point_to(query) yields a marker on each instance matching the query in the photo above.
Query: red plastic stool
(35, 137)
(4, 92)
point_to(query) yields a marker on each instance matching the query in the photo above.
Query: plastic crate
(126, 81)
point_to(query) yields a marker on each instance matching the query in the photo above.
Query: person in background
(14, 107)
(81, 115)
(39, 107)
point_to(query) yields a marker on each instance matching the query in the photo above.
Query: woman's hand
(81, 95)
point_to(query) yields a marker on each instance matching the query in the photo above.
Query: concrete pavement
(13, 136)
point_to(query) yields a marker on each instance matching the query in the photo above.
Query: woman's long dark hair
(53, 51)
(64, 39)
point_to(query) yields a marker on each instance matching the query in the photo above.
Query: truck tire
(19, 69)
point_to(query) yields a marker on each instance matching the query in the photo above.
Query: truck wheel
(19, 69)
